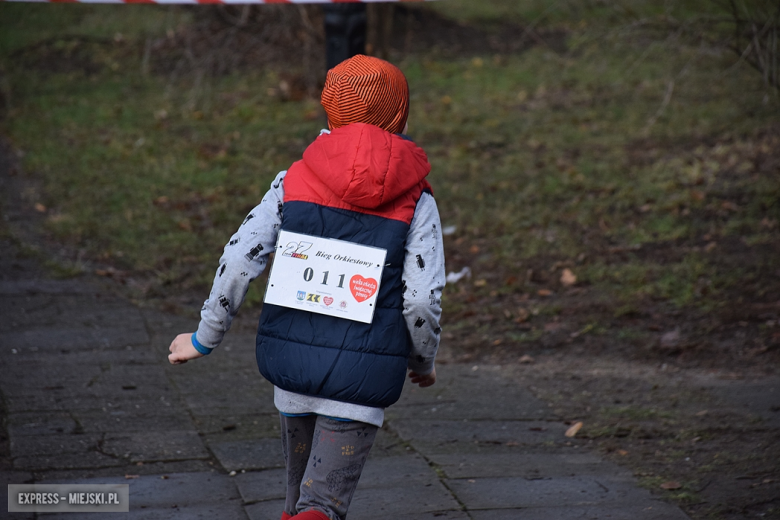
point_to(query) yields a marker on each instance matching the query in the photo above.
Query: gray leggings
(324, 459)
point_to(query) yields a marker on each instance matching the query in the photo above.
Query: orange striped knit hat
(364, 89)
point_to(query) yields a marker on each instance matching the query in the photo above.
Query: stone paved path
(89, 397)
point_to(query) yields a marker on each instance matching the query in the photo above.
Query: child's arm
(423, 278)
(243, 259)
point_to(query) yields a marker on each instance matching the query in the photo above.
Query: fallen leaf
(40, 208)
(709, 247)
(568, 278)
(552, 326)
(480, 283)
(497, 342)
(729, 206)
(572, 431)
(702, 413)
(474, 249)
(132, 476)
(512, 443)
(671, 485)
(525, 359)
(522, 315)
(697, 195)
(622, 453)
(544, 292)
(768, 223)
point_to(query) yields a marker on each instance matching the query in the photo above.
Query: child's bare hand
(423, 381)
(182, 350)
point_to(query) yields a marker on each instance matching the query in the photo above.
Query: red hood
(366, 166)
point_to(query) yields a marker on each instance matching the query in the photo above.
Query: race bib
(326, 276)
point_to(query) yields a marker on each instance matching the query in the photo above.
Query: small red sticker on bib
(362, 288)
(327, 300)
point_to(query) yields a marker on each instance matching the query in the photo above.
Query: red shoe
(311, 514)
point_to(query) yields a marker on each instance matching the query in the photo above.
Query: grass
(644, 142)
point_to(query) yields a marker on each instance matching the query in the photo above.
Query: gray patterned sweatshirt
(243, 260)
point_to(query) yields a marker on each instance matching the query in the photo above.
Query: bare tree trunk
(379, 29)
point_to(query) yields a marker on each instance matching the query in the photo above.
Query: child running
(363, 182)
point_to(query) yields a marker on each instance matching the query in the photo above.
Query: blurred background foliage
(632, 145)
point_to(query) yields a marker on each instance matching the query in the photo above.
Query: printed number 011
(308, 274)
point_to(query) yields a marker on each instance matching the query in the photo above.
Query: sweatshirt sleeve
(243, 259)
(423, 278)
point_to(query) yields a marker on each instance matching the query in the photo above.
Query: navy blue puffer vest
(359, 184)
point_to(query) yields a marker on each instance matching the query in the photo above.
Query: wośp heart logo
(362, 288)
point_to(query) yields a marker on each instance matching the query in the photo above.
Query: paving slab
(24, 310)
(249, 455)
(250, 385)
(177, 496)
(14, 477)
(267, 510)
(259, 486)
(45, 463)
(453, 436)
(141, 417)
(155, 446)
(64, 400)
(464, 393)
(435, 515)
(138, 380)
(44, 286)
(40, 423)
(527, 465)
(231, 427)
(395, 471)
(409, 470)
(410, 501)
(140, 355)
(124, 468)
(228, 403)
(55, 339)
(54, 444)
(402, 500)
(388, 444)
(518, 492)
(232, 510)
(655, 510)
